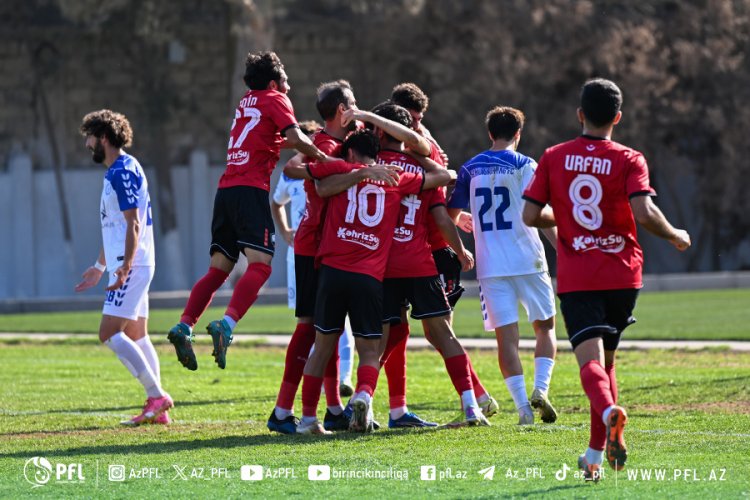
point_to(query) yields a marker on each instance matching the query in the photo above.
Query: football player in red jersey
(242, 219)
(409, 96)
(357, 235)
(598, 189)
(333, 99)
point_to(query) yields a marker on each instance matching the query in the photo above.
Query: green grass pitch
(689, 420)
(705, 315)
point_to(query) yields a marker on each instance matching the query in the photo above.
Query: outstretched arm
(296, 139)
(652, 219)
(440, 177)
(448, 229)
(338, 183)
(412, 139)
(537, 216)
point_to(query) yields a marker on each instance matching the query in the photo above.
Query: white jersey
(291, 190)
(125, 188)
(492, 183)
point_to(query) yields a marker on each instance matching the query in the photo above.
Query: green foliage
(687, 411)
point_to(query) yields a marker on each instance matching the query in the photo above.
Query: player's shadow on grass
(225, 442)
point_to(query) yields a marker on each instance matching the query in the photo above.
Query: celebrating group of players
(378, 238)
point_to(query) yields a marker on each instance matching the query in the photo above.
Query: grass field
(706, 315)
(689, 417)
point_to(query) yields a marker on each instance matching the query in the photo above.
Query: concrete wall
(35, 261)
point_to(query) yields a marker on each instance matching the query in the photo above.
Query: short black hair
(601, 99)
(107, 123)
(503, 122)
(395, 113)
(410, 96)
(330, 95)
(261, 68)
(363, 142)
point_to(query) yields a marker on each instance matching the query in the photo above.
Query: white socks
(147, 348)
(543, 373)
(281, 413)
(399, 412)
(517, 388)
(594, 456)
(336, 410)
(231, 322)
(469, 399)
(132, 357)
(605, 414)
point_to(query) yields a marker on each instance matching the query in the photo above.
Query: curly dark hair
(410, 96)
(106, 123)
(503, 122)
(261, 68)
(363, 142)
(395, 113)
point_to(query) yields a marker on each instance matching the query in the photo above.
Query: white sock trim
(517, 388)
(605, 414)
(132, 357)
(543, 373)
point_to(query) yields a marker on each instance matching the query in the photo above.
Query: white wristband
(100, 267)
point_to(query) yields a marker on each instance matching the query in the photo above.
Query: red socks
(479, 389)
(395, 364)
(596, 384)
(331, 379)
(310, 395)
(367, 379)
(612, 381)
(296, 356)
(598, 429)
(202, 294)
(458, 369)
(246, 290)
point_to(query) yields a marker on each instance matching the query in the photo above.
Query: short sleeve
(282, 112)
(460, 196)
(126, 185)
(281, 193)
(637, 181)
(410, 183)
(538, 187)
(321, 169)
(528, 173)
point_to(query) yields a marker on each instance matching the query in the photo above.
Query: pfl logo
(38, 472)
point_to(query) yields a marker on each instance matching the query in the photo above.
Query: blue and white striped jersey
(125, 188)
(492, 184)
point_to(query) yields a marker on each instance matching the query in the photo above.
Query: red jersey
(255, 139)
(411, 255)
(588, 182)
(434, 236)
(359, 223)
(307, 238)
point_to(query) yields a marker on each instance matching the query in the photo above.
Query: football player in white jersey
(128, 255)
(511, 265)
(291, 191)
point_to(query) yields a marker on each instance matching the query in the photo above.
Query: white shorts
(131, 299)
(500, 297)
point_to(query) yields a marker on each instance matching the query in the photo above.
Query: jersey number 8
(586, 211)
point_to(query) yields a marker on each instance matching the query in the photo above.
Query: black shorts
(242, 219)
(600, 313)
(344, 292)
(425, 294)
(449, 270)
(306, 279)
